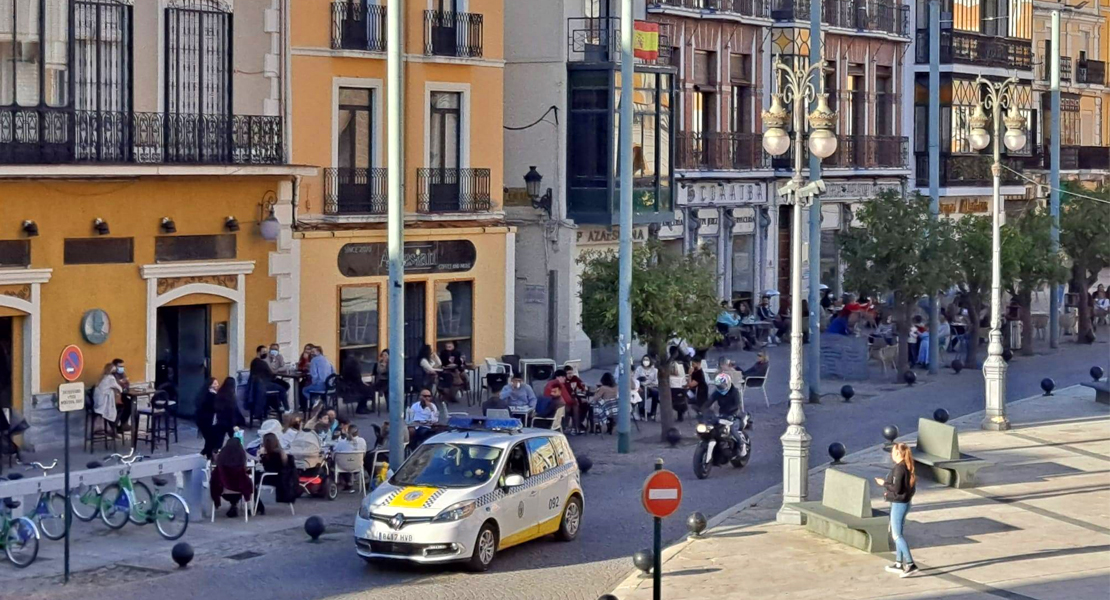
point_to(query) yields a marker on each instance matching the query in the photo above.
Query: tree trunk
(1025, 301)
(905, 309)
(666, 407)
(1086, 326)
(971, 360)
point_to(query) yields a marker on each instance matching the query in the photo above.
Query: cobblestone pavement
(1037, 525)
(271, 553)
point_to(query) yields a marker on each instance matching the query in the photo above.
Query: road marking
(663, 494)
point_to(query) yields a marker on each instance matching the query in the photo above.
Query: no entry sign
(662, 494)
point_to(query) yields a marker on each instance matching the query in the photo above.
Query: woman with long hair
(226, 417)
(900, 486)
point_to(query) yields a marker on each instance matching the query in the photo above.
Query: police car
(466, 494)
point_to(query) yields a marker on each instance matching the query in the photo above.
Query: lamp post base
(994, 377)
(795, 472)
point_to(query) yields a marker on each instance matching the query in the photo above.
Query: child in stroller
(315, 472)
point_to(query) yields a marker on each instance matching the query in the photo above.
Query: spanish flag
(646, 41)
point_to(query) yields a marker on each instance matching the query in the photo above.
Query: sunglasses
(425, 395)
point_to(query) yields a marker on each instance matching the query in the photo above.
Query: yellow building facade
(458, 249)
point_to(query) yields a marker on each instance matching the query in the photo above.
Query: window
(856, 110)
(358, 325)
(705, 67)
(15, 253)
(884, 102)
(102, 55)
(740, 112)
(194, 247)
(455, 315)
(198, 57)
(99, 251)
(445, 130)
(541, 455)
(651, 140)
(1069, 120)
(743, 261)
(356, 128)
(830, 261)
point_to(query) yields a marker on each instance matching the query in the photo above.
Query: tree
(902, 251)
(1035, 266)
(1085, 237)
(972, 256)
(672, 296)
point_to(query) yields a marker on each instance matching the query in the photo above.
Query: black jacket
(728, 404)
(898, 486)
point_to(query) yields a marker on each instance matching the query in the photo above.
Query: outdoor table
(294, 376)
(136, 393)
(525, 416)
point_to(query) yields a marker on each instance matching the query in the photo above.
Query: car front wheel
(485, 548)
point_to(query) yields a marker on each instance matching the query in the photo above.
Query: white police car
(466, 494)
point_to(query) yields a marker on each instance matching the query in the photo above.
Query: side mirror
(513, 480)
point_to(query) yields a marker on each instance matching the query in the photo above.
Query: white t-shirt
(424, 415)
(677, 378)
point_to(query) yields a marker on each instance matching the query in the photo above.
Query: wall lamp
(101, 226)
(231, 224)
(168, 225)
(30, 228)
(532, 180)
(269, 227)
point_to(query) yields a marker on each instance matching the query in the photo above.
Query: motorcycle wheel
(702, 463)
(740, 462)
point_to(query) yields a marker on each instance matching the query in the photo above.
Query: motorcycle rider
(730, 403)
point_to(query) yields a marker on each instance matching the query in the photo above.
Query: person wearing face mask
(262, 383)
(119, 371)
(648, 376)
(275, 359)
(519, 396)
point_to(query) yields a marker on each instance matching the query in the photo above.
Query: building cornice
(196, 269)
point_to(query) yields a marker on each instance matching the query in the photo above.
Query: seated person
(273, 459)
(839, 325)
(726, 321)
(423, 416)
(351, 442)
(517, 395)
(577, 387)
(230, 480)
(759, 368)
(551, 403)
(559, 382)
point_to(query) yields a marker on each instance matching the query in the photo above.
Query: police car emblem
(520, 511)
(413, 496)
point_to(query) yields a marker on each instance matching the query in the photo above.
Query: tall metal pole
(624, 413)
(395, 230)
(1054, 181)
(934, 166)
(813, 369)
(994, 368)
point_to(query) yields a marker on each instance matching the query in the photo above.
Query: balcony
(453, 190)
(967, 170)
(1091, 72)
(355, 191)
(977, 50)
(357, 25)
(745, 8)
(1044, 73)
(720, 152)
(857, 152)
(63, 135)
(849, 14)
(452, 34)
(598, 40)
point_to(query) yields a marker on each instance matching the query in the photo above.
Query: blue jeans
(898, 512)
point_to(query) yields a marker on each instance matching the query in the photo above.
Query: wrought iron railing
(62, 135)
(452, 34)
(453, 190)
(1091, 71)
(355, 191)
(976, 49)
(720, 151)
(857, 152)
(968, 170)
(747, 8)
(598, 40)
(1096, 158)
(357, 25)
(1045, 69)
(886, 17)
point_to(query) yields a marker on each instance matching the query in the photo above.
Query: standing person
(677, 382)
(648, 376)
(106, 396)
(352, 388)
(381, 375)
(698, 384)
(227, 417)
(900, 486)
(206, 414)
(318, 372)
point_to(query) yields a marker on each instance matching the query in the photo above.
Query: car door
(547, 490)
(515, 510)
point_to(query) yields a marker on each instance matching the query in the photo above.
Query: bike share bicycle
(128, 500)
(18, 536)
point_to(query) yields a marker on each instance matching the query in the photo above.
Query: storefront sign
(607, 235)
(710, 221)
(372, 259)
(970, 206)
(948, 207)
(672, 230)
(743, 220)
(723, 194)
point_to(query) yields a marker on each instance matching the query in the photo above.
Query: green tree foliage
(902, 251)
(1035, 266)
(972, 261)
(1085, 237)
(672, 296)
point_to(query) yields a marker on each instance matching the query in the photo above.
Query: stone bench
(844, 514)
(1102, 390)
(938, 452)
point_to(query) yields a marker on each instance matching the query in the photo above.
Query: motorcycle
(720, 445)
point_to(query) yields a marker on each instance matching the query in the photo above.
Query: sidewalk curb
(633, 580)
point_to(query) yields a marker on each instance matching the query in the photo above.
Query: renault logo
(398, 521)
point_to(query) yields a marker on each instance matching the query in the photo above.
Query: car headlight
(456, 512)
(703, 428)
(364, 510)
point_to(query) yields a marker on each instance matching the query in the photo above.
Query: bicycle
(132, 501)
(19, 536)
(50, 511)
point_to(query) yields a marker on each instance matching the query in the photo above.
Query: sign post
(71, 397)
(661, 496)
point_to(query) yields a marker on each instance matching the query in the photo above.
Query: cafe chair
(94, 434)
(329, 396)
(351, 464)
(554, 423)
(156, 420)
(759, 383)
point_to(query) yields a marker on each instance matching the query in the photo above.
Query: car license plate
(385, 536)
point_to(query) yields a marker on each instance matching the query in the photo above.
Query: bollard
(1096, 373)
(957, 366)
(847, 392)
(837, 452)
(1007, 355)
(674, 436)
(643, 559)
(314, 527)
(585, 464)
(940, 415)
(696, 523)
(910, 377)
(1047, 384)
(182, 554)
(890, 433)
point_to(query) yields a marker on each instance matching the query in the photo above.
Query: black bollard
(674, 436)
(1007, 355)
(1047, 384)
(847, 392)
(585, 464)
(182, 554)
(314, 527)
(1096, 373)
(940, 415)
(910, 377)
(890, 433)
(837, 452)
(957, 366)
(644, 559)
(696, 523)
(607, 597)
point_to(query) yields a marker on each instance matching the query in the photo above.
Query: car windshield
(448, 466)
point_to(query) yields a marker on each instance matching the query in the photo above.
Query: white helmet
(723, 382)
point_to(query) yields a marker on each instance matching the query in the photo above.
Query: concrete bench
(844, 514)
(938, 452)
(1102, 390)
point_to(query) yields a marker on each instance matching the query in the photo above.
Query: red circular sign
(662, 494)
(72, 363)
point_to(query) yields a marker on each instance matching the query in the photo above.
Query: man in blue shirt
(318, 372)
(518, 395)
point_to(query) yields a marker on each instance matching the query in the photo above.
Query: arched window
(198, 57)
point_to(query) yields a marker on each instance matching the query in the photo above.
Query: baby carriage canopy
(306, 450)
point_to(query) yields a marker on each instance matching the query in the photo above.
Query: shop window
(15, 253)
(99, 251)
(743, 263)
(455, 316)
(830, 261)
(194, 247)
(358, 325)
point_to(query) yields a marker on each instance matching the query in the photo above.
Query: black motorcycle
(723, 440)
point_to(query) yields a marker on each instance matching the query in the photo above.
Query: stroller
(314, 473)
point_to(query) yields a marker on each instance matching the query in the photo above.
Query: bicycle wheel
(171, 516)
(22, 543)
(114, 506)
(53, 523)
(144, 503)
(86, 502)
